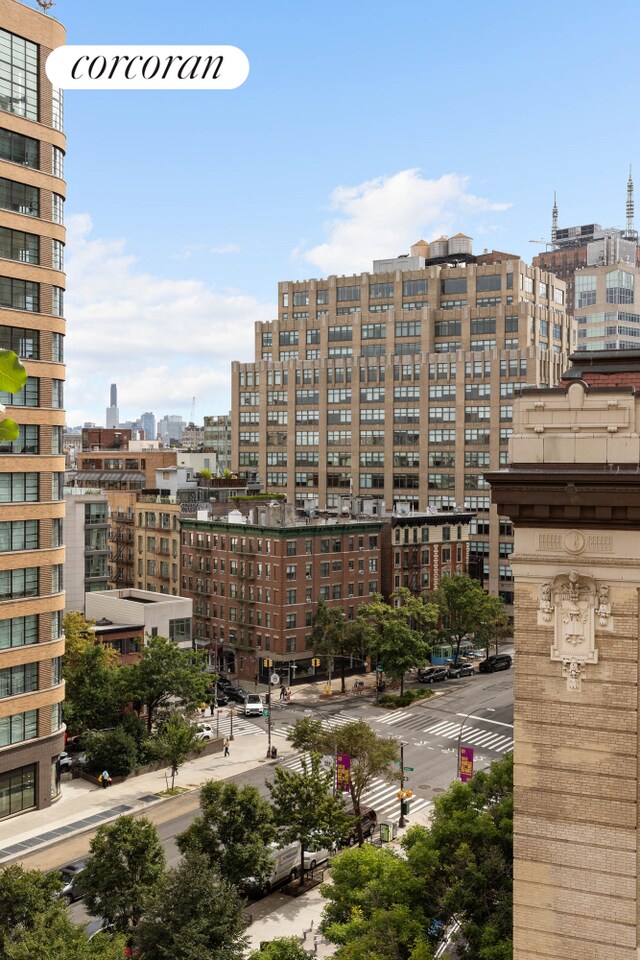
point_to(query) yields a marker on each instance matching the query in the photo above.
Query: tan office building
(573, 495)
(32, 235)
(400, 383)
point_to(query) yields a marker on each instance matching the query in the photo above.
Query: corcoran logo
(147, 68)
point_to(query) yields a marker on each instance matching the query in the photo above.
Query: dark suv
(499, 661)
(432, 674)
(368, 821)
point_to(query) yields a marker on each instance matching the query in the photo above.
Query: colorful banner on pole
(343, 772)
(466, 763)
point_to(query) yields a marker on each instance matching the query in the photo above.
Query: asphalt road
(482, 705)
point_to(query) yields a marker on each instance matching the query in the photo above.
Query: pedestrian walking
(105, 779)
(226, 747)
(212, 707)
(203, 708)
(283, 691)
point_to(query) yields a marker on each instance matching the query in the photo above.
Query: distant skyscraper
(149, 425)
(113, 414)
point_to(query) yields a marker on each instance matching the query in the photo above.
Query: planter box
(210, 747)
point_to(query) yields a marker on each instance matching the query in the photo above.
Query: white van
(286, 866)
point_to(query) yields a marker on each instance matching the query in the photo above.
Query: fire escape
(121, 559)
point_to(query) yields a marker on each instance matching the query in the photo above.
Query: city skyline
(381, 140)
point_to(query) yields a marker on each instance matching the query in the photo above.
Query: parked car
(65, 762)
(368, 820)
(286, 863)
(221, 697)
(499, 661)
(319, 855)
(224, 682)
(237, 694)
(432, 674)
(96, 926)
(71, 890)
(253, 705)
(205, 731)
(75, 744)
(457, 670)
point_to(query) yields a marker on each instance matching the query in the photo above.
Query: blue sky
(361, 128)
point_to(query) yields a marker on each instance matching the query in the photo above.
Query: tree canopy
(126, 861)
(282, 948)
(466, 609)
(459, 869)
(371, 756)
(401, 631)
(306, 808)
(177, 739)
(94, 691)
(192, 914)
(233, 831)
(165, 673)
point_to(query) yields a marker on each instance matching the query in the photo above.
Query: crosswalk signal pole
(268, 698)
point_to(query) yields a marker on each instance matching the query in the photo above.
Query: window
(15, 584)
(301, 298)
(442, 458)
(16, 245)
(347, 293)
(340, 333)
(19, 149)
(339, 395)
(19, 76)
(442, 436)
(57, 394)
(19, 197)
(17, 680)
(28, 396)
(372, 415)
(322, 296)
(379, 291)
(57, 301)
(442, 414)
(18, 487)
(442, 391)
(19, 632)
(453, 285)
(488, 283)
(373, 331)
(474, 413)
(26, 343)
(372, 481)
(408, 328)
(288, 337)
(18, 535)
(19, 294)
(619, 287)
(338, 438)
(19, 727)
(483, 325)
(57, 162)
(447, 328)
(57, 208)
(413, 288)
(17, 788)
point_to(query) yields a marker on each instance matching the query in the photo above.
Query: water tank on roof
(460, 244)
(439, 247)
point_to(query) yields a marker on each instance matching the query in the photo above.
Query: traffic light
(267, 664)
(315, 662)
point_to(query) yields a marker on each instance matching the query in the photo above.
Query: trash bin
(386, 832)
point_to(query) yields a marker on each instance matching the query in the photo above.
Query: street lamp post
(401, 821)
(268, 701)
(471, 714)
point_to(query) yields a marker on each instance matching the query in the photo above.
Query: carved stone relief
(571, 603)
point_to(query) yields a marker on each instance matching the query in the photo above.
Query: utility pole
(268, 701)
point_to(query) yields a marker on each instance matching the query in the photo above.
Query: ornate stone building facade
(573, 494)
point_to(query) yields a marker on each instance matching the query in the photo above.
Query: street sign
(326, 763)
(466, 763)
(409, 768)
(265, 713)
(275, 679)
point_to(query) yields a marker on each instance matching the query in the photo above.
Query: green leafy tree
(165, 673)
(24, 895)
(327, 631)
(115, 751)
(306, 808)
(126, 862)
(94, 693)
(233, 831)
(175, 742)
(493, 624)
(465, 860)
(463, 607)
(193, 914)
(56, 937)
(13, 376)
(282, 948)
(34, 922)
(371, 756)
(402, 631)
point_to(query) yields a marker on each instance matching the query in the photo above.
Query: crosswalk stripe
(443, 727)
(394, 718)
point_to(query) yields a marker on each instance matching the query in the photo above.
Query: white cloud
(383, 217)
(162, 341)
(226, 248)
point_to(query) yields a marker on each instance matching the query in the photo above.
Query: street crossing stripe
(394, 718)
(241, 728)
(474, 736)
